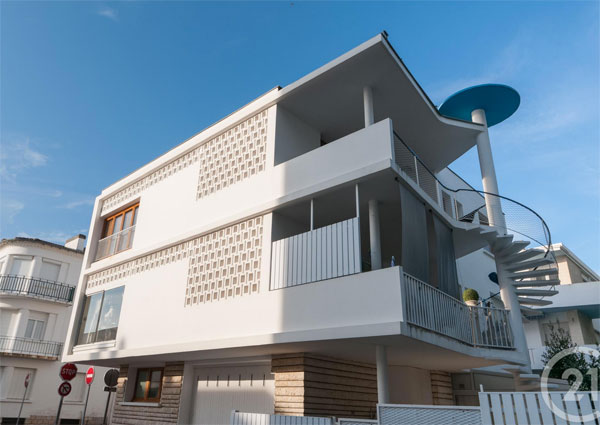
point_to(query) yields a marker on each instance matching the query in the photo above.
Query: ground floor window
(100, 319)
(148, 384)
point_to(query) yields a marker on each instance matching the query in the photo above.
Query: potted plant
(471, 297)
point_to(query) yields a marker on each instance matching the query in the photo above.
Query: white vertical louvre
(324, 253)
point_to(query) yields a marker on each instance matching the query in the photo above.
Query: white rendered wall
(294, 137)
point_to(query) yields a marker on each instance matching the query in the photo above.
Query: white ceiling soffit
(331, 100)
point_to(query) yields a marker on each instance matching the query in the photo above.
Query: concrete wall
(473, 271)
(293, 136)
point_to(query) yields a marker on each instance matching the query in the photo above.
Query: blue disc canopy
(498, 101)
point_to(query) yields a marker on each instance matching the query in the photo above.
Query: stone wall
(167, 410)
(441, 388)
(311, 385)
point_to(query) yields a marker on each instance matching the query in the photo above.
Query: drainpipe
(368, 105)
(374, 234)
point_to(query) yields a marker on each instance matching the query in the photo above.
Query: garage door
(219, 390)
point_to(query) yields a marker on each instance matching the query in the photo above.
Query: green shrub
(470, 295)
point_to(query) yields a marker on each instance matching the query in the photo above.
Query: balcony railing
(29, 347)
(115, 243)
(324, 253)
(432, 309)
(38, 288)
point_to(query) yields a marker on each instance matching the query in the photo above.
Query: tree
(561, 340)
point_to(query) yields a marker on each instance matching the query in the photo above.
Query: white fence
(241, 418)
(432, 309)
(400, 414)
(496, 408)
(550, 408)
(325, 253)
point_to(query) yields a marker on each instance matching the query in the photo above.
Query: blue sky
(90, 91)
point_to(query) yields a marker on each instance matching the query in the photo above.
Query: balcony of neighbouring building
(28, 347)
(36, 288)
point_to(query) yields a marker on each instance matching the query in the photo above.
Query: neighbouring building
(37, 284)
(299, 256)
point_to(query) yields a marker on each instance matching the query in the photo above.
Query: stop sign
(68, 371)
(26, 383)
(89, 376)
(64, 389)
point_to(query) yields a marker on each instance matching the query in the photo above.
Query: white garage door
(219, 390)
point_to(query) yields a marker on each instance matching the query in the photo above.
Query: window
(148, 384)
(21, 267)
(101, 316)
(50, 270)
(117, 234)
(17, 383)
(35, 329)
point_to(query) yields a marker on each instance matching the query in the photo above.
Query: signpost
(67, 372)
(26, 384)
(111, 377)
(89, 378)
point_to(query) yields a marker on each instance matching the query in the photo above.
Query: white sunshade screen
(50, 271)
(21, 267)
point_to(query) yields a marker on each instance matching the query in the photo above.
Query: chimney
(76, 242)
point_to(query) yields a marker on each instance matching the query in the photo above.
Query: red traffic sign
(89, 376)
(26, 383)
(68, 371)
(64, 389)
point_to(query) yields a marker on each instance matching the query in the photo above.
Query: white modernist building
(299, 257)
(37, 284)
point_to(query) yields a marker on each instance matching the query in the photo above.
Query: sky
(91, 91)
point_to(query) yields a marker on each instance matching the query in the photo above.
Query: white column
(368, 105)
(511, 303)
(374, 235)
(312, 214)
(488, 173)
(383, 394)
(356, 195)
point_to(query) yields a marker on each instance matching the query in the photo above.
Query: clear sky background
(90, 91)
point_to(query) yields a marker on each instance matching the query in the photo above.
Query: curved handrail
(547, 244)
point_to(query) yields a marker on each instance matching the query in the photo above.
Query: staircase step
(532, 283)
(533, 301)
(521, 256)
(531, 264)
(532, 273)
(513, 248)
(502, 242)
(536, 292)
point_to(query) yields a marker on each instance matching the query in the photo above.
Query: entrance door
(219, 390)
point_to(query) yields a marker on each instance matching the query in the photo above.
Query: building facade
(298, 257)
(37, 285)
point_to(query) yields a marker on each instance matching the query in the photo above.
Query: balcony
(116, 243)
(36, 288)
(27, 347)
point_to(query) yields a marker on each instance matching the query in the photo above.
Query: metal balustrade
(116, 243)
(434, 310)
(28, 346)
(38, 288)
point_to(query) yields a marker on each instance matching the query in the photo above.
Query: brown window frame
(137, 381)
(110, 220)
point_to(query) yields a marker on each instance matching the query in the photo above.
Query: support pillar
(383, 394)
(374, 234)
(368, 105)
(488, 173)
(511, 303)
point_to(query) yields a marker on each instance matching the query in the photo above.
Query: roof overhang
(331, 98)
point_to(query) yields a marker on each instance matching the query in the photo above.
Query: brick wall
(168, 409)
(311, 385)
(441, 388)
